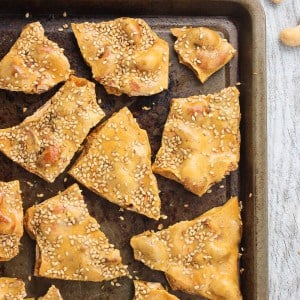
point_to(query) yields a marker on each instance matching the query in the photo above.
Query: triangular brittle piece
(11, 219)
(201, 140)
(52, 294)
(70, 244)
(203, 50)
(151, 291)
(200, 256)
(116, 164)
(125, 55)
(34, 64)
(12, 289)
(45, 142)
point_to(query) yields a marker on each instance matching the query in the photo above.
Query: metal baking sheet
(242, 23)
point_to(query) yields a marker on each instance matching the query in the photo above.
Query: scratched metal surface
(173, 196)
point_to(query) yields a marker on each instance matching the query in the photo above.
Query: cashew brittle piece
(203, 50)
(70, 244)
(11, 219)
(199, 256)
(125, 55)
(45, 142)
(201, 140)
(34, 64)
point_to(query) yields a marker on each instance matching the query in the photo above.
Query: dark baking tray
(243, 23)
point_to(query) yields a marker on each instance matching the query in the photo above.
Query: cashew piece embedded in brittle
(132, 29)
(150, 59)
(291, 36)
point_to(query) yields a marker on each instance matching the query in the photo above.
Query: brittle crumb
(160, 226)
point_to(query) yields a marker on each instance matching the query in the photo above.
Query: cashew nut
(132, 29)
(150, 59)
(276, 1)
(49, 156)
(291, 36)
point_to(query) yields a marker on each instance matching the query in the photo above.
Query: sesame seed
(160, 226)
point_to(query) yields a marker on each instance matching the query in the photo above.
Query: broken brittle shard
(70, 244)
(200, 256)
(34, 64)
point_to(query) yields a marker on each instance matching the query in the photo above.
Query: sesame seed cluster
(202, 49)
(70, 244)
(201, 140)
(12, 288)
(116, 164)
(198, 256)
(151, 290)
(34, 64)
(11, 219)
(45, 142)
(125, 55)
